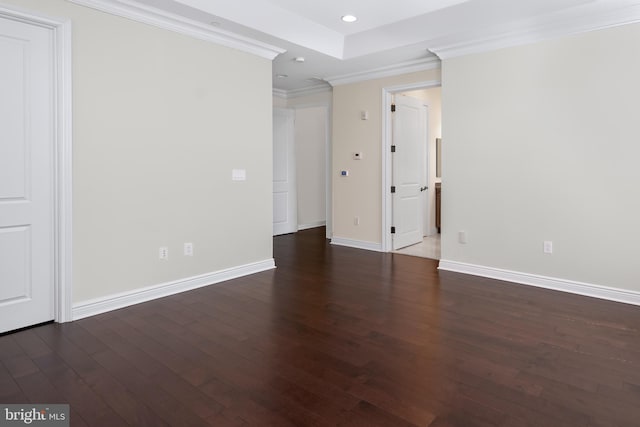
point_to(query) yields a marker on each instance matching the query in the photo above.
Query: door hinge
(393, 148)
(393, 108)
(393, 230)
(393, 188)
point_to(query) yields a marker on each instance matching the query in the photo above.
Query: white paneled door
(285, 206)
(409, 138)
(26, 175)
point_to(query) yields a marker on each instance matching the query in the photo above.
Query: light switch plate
(238, 175)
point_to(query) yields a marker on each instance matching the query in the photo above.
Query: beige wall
(541, 143)
(160, 120)
(433, 98)
(360, 194)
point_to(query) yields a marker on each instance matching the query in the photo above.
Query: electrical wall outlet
(163, 253)
(188, 249)
(356, 220)
(547, 247)
(462, 236)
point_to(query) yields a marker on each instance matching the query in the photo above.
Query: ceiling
(389, 36)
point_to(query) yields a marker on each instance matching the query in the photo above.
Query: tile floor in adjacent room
(429, 248)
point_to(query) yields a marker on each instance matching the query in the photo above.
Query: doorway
(35, 160)
(302, 152)
(311, 140)
(285, 204)
(429, 94)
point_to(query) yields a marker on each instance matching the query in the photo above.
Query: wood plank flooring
(339, 336)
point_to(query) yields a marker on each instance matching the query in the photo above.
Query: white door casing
(35, 168)
(26, 168)
(409, 138)
(426, 205)
(285, 207)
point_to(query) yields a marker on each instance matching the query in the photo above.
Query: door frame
(62, 149)
(426, 218)
(387, 138)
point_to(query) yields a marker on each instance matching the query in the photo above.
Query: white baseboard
(586, 289)
(312, 225)
(113, 302)
(359, 244)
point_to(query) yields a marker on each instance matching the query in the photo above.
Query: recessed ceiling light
(349, 18)
(282, 76)
(299, 59)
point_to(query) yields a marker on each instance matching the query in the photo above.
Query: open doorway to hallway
(301, 183)
(430, 181)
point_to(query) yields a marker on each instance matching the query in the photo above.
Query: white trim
(298, 93)
(179, 24)
(387, 92)
(64, 120)
(388, 71)
(358, 244)
(314, 224)
(63, 143)
(126, 299)
(570, 286)
(426, 205)
(328, 152)
(279, 93)
(595, 17)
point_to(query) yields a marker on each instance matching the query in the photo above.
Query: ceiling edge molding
(169, 21)
(279, 93)
(297, 93)
(544, 31)
(392, 70)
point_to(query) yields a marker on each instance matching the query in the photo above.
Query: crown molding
(388, 71)
(172, 22)
(598, 16)
(280, 93)
(297, 93)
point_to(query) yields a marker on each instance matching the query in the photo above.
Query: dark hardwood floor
(339, 336)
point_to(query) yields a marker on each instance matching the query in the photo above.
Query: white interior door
(409, 136)
(26, 175)
(285, 206)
